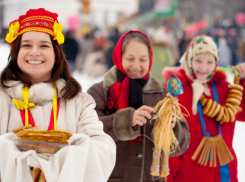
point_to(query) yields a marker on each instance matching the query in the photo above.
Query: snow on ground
(239, 147)
(86, 81)
(238, 141)
(4, 53)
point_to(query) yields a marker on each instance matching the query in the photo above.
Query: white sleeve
(90, 125)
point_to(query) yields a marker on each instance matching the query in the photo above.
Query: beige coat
(76, 115)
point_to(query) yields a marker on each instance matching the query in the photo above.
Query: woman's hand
(241, 70)
(140, 115)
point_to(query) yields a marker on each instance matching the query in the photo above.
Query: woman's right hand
(140, 115)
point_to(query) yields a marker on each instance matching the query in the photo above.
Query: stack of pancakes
(35, 137)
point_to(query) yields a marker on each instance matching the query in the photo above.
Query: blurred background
(92, 28)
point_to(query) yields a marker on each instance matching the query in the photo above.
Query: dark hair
(61, 69)
(135, 36)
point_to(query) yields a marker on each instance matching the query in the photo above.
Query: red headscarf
(120, 90)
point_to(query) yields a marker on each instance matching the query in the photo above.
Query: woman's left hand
(241, 70)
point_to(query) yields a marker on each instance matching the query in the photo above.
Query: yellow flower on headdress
(13, 32)
(58, 33)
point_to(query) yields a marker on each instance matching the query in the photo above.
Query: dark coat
(70, 48)
(133, 161)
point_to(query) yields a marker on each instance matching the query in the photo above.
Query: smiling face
(203, 65)
(136, 59)
(36, 56)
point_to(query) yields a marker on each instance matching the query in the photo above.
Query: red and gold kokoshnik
(37, 23)
(39, 20)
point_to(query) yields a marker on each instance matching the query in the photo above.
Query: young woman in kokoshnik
(124, 101)
(209, 121)
(38, 69)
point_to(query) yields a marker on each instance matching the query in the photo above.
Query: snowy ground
(4, 53)
(239, 147)
(238, 142)
(86, 81)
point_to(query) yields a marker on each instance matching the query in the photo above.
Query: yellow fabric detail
(21, 105)
(24, 105)
(55, 107)
(25, 94)
(13, 32)
(58, 33)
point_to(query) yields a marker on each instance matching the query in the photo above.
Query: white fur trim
(37, 92)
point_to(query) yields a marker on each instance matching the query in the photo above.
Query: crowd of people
(96, 47)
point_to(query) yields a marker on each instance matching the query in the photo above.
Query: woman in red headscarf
(124, 102)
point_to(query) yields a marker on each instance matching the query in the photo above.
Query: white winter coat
(76, 115)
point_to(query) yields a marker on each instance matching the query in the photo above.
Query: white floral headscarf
(198, 45)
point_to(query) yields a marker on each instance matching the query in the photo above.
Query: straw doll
(163, 136)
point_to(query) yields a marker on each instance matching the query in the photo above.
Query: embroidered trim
(37, 29)
(37, 17)
(35, 23)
